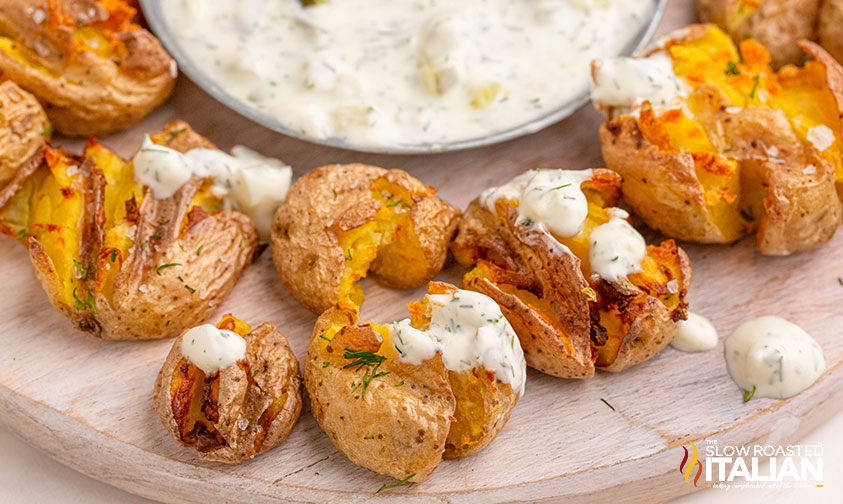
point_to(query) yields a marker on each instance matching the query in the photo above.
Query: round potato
(777, 24)
(568, 319)
(95, 71)
(830, 28)
(118, 262)
(24, 131)
(395, 417)
(741, 149)
(239, 411)
(339, 222)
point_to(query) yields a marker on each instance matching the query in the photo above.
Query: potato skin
(830, 28)
(270, 370)
(392, 430)
(335, 198)
(148, 303)
(662, 188)
(484, 235)
(562, 343)
(801, 210)
(85, 93)
(24, 130)
(777, 24)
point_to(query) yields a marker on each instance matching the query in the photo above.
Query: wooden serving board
(88, 402)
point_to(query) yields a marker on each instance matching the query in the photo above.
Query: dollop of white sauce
(617, 249)
(211, 349)
(470, 331)
(626, 83)
(549, 198)
(773, 355)
(249, 182)
(389, 73)
(697, 334)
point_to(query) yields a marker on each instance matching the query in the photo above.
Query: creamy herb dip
(697, 334)
(773, 357)
(211, 349)
(377, 73)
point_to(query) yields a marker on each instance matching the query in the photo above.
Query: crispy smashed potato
(748, 150)
(340, 222)
(776, 24)
(240, 411)
(568, 320)
(24, 131)
(118, 262)
(392, 417)
(93, 68)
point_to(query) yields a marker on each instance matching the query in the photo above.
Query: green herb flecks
(732, 68)
(748, 394)
(754, 86)
(88, 303)
(165, 266)
(607, 404)
(395, 485)
(368, 361)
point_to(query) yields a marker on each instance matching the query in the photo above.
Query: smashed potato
(118, 262)
(398, 411)
(743, 150)
(780, 25)
(340, 222)
(236, 412)
(24, 131)
(94, 70)
(568, 318)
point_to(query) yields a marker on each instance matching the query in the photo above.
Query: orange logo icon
(686, 467)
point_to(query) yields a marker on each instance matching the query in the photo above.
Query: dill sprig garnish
(368, 360)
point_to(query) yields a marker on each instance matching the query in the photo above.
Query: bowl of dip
(403, 76)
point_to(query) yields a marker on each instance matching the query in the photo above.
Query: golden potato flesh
(240, 411)
(750, 150)
(120, 263)
(568, 321)
(392, 417)
(93, 68)
(340, 222)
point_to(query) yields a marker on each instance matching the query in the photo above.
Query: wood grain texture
(88, 402)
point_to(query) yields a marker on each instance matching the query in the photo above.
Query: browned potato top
(339, 222)
(95, 70)
(117, 261)
(240, 411)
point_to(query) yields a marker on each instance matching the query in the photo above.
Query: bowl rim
(155, 18)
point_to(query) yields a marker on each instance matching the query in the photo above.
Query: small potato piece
(750, 150)
(567, 320)
(24, 131)
(240, 411)
(830, 27)
(339, 222)
(393, 417)
(118, 262)
(776, 24)
(95, 71)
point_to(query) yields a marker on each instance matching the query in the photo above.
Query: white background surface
(28, 475)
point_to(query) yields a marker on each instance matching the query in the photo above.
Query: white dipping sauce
(470, 331)
(625, 83)
(697, 334)
(617, 249)
(776, 357)
(211, 349)
(552, 198)
(553, 201)
(250, 183)
(403, 72)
